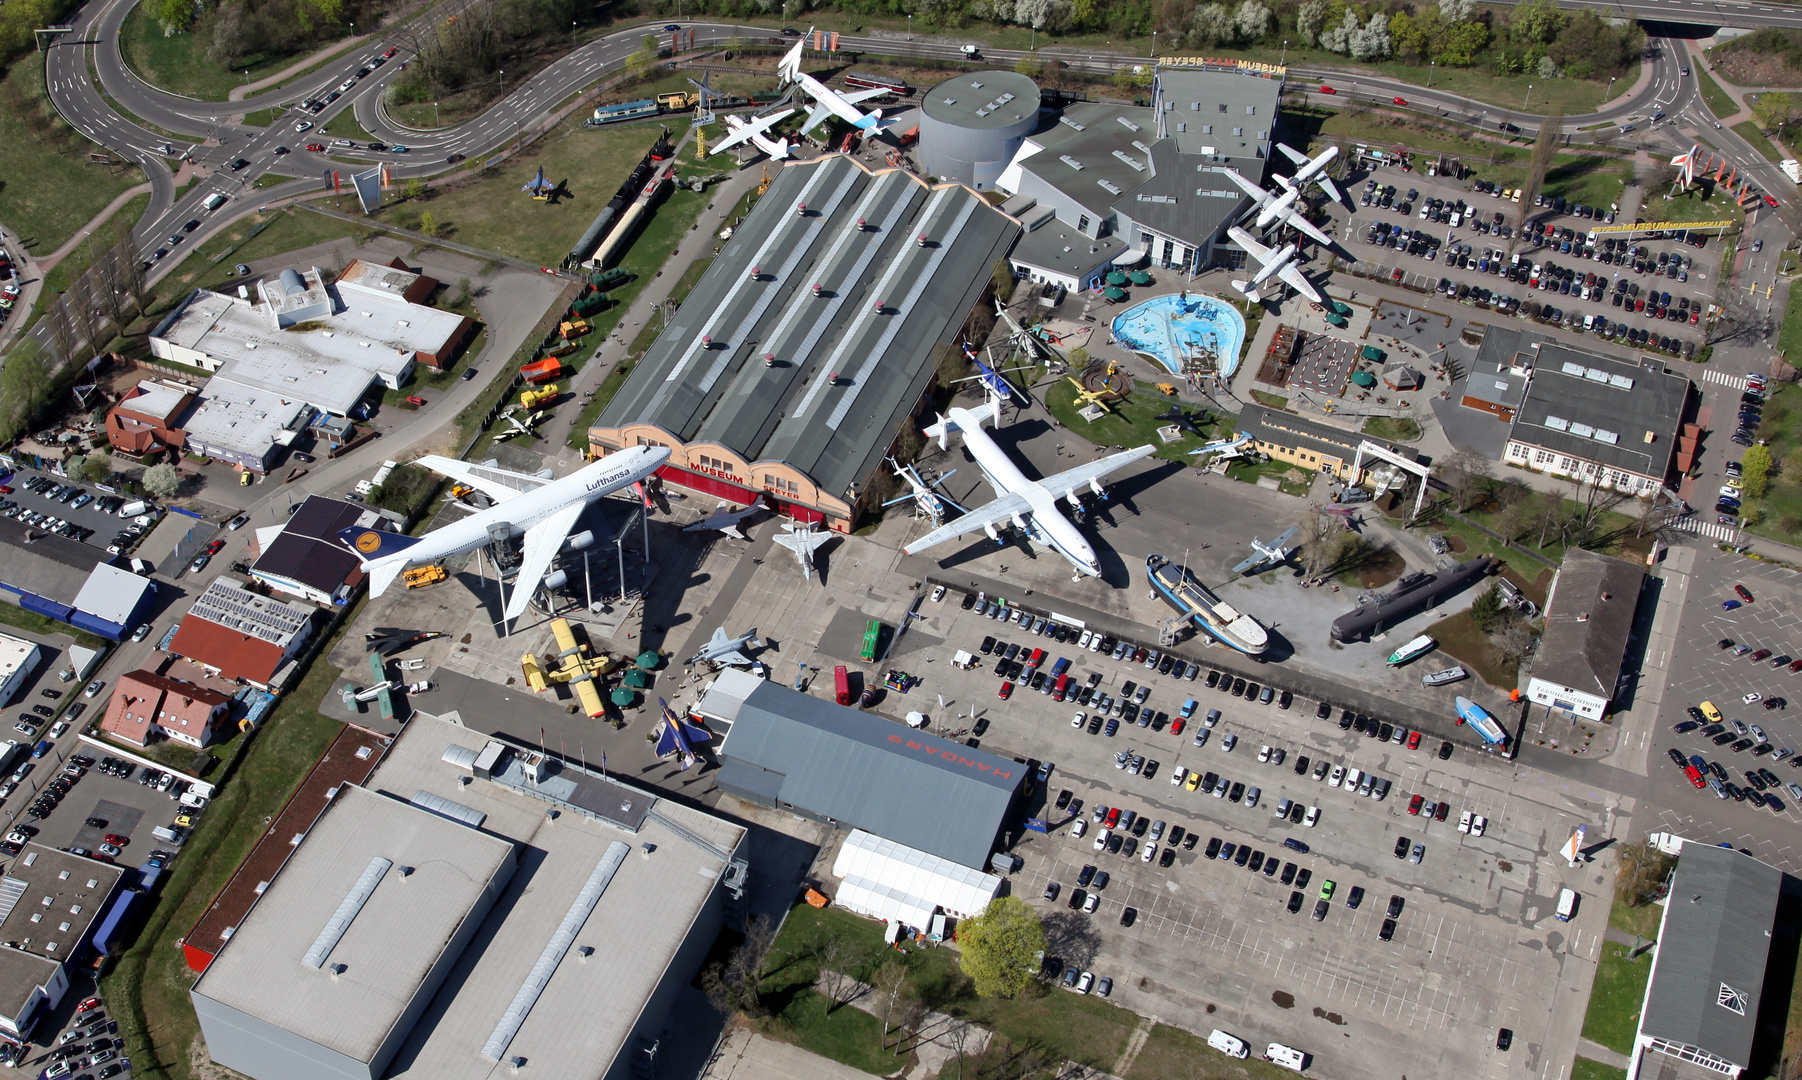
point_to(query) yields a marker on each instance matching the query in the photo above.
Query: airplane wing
(1250, 188)
(989, 513)
(1282, 541)
(542, 542)
(1256, 558)
(803, 542)
(498, 484)
(1244, 239)
(1292, 275)
(586, 693)
(741, 133)
(816, 116)
(1327, 186)
(1293, 154)
(863, 95)
(1071, 479)
(1307, 228)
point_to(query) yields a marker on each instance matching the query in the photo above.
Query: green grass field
(345, 126)
(48, 189)
(1716, 99)
(1749, 131)
(1133, 422)
(1392, 428)
(1585, 1069)
(1620, 988)
(1172, 1052)
(1635, 920)
(177, 62)
(77, 260)
(1782, 430)
(1691, 206)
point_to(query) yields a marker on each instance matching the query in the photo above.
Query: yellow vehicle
(244, 478)
(532, 397)
(420, 576)
(1713, 714)
(1194, 780)
(185, 821)
(574, 328)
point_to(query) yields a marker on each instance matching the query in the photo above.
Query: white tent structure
(886, 880)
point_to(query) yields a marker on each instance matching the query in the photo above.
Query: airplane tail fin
(940, 431)
(373, 544)
(790, 65)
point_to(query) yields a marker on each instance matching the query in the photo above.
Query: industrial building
(148, 419)
(1315, 446)
(244, 636)
(147, 705)
(1495, 386)
(1594, 418)
(302, 556)
(1154, 176)
(71, 582)
(1588, 623)
(18, 659)
(51, 903)
(803, 754)
(813, 338)
(474, 909)
(972, 125)
(1708, 972)
(895, 883)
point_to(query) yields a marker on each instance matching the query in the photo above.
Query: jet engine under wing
(498, 484)
(1071, 479)
(542, 542)
(1295, 279)
(990, 513)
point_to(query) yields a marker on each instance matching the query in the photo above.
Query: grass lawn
(77, 261)
(1133, 422)
(1062, 1026)
(1291, 480)
(1171, 1052)
(1636, 920)
(345, 126)
(1717, 100)
(1392, 428)
(1275, 401)
(1691, 206)
(1459, 638)
(50, 190)
(177, 62)
(1620, 987)
(1782, 430)
(1789, 336)
(147, 988)
(32, 622)
(1748, 130)
(211, 265)
(1585, 1069)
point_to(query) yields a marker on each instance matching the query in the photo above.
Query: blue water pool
(1170, 328)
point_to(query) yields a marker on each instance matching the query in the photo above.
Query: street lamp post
(1284, 62)
(1432, 66)
(1610, 92)
(910, 22)
(503, 76)
(435, 122)
(1529, 99)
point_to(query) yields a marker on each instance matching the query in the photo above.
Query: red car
(1399, 101)
(315, 148)
(215, 547)
(1439, 814)
(416, 401)
(1414, 740)
(1328, 90)
(1414, 804)
(1113, 816)
(1743, 594)
(1770, 200)
(116, 840)
(1760, 655)
(1037, 660)
(1177, 725)
(1007, 691)
(88, 1006)
(389, 55)
(1695, 775)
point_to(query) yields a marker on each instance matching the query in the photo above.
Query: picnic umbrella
(624, 698)
(1336, 319)
(1114, 294)
(636, 679)
(1139, 277)
(1364, 379)
(649, 659)
(1115, 277)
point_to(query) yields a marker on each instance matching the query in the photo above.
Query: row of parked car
(89, 1043)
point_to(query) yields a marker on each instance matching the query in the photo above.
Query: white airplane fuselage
(1047, 525)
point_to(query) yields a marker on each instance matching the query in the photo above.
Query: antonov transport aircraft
(827, 101)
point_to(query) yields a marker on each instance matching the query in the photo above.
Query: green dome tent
(1364, 379)
(650, 660)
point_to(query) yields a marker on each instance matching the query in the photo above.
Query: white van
(1567, 905)
(213, 202)
(1230, 1045)
(1352, 776)
(1286, 1056)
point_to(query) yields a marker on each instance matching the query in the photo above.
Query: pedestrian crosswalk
(1714, 530)
(1736, 382)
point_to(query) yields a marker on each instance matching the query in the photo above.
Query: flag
(603, 763)
(832, 41)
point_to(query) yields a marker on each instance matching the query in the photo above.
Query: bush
(1642, 874)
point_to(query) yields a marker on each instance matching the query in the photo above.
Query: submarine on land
(1413, 593)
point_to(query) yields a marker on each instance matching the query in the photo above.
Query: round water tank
(291, 281)
(972, 125)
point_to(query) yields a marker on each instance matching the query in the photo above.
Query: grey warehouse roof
(983, 100)
(1058, 248)
(1712, 949)
(1493, 382)
(1190, 100)
(845, 375)
(868, 773)
(1619, 414)
(1589, 617)
(1095, 153)
(51, 566)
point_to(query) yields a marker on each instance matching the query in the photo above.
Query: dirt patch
(1378, 570)
(1504, 866)
(1329, 1017)
(1283, 999)
(1771, 57)
(1456, 543)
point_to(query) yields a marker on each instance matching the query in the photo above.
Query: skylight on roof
(1557, 423)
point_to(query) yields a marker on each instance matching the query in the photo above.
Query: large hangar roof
(843, 372)
(916, 789)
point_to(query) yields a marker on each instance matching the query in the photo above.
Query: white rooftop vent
(1557, 423)
(1127, 123)
(1573, 369)
(1070, 123)
(1072, 162)
(1620, 382)
(1609, 437)
(1109, 186)
(1583, 430)
(1595, 374)
(1132, 163)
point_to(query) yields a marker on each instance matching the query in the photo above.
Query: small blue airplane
(679, 735)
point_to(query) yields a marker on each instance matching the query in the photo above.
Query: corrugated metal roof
(865, 772)
(1712, 950)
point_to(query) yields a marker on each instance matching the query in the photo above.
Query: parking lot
(1547, 270)
(55, 497)
(1474, 946)
(97, 805)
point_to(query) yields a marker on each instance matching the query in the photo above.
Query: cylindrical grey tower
(973, 124)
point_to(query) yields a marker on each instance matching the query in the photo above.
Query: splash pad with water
(1188, 333)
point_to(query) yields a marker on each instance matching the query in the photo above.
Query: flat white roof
(15, 653)
(157, 398)
(112, 593)
(892, 881)
(247, 419)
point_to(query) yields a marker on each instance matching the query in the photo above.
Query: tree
(1550, 517)
(428, 223)
(413, 188)
(1755, 471)
(737, 984)
(1642, 873)
(888, 982)
(1510, 518)
(1515, 641)
(1319, 542)
(1000, 946)
(1030, 66)
(1594, 498)
(833, 956)
(1487, 611)
(1466, 473)
(24, 386)
(1456, 11)
(1544, 148)
(1372, 42)
(97, 467)
(162, 481)
(1309, 19)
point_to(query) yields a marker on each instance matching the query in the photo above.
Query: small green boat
(1420, 646)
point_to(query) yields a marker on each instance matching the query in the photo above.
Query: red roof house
(146, 705)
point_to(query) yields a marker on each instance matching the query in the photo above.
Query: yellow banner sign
(1658, 226)
(1248, 67)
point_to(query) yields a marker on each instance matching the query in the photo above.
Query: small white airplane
(1031, 505)
(1263, 555)
(803, 541)
(827, 101)
(755, 131)
(725, 518)
(1313, 170)
(1277, 263)
(516, 426)
(1228, 449)
(931, 502)
(722, 648)
(542, 510)
(1281, 208)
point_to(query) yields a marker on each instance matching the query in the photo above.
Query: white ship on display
(1182, 591)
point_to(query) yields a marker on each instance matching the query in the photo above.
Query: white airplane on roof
(725, 518)
(803, 541)
(1031, 505)
(1313, 170)
(755, 131)
(722, 648)
(1280, 208)
(542, 510)
(1277, 263)
(827, 101)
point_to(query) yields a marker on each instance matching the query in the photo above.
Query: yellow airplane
(574, 666)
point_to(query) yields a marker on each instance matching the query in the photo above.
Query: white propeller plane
(1031, 505)
(1263, 555)
(1280, 208)
(755, 131)
(1278, 263)
(827, 101)
(725, 518)
(803, 541)
(1313, 170)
